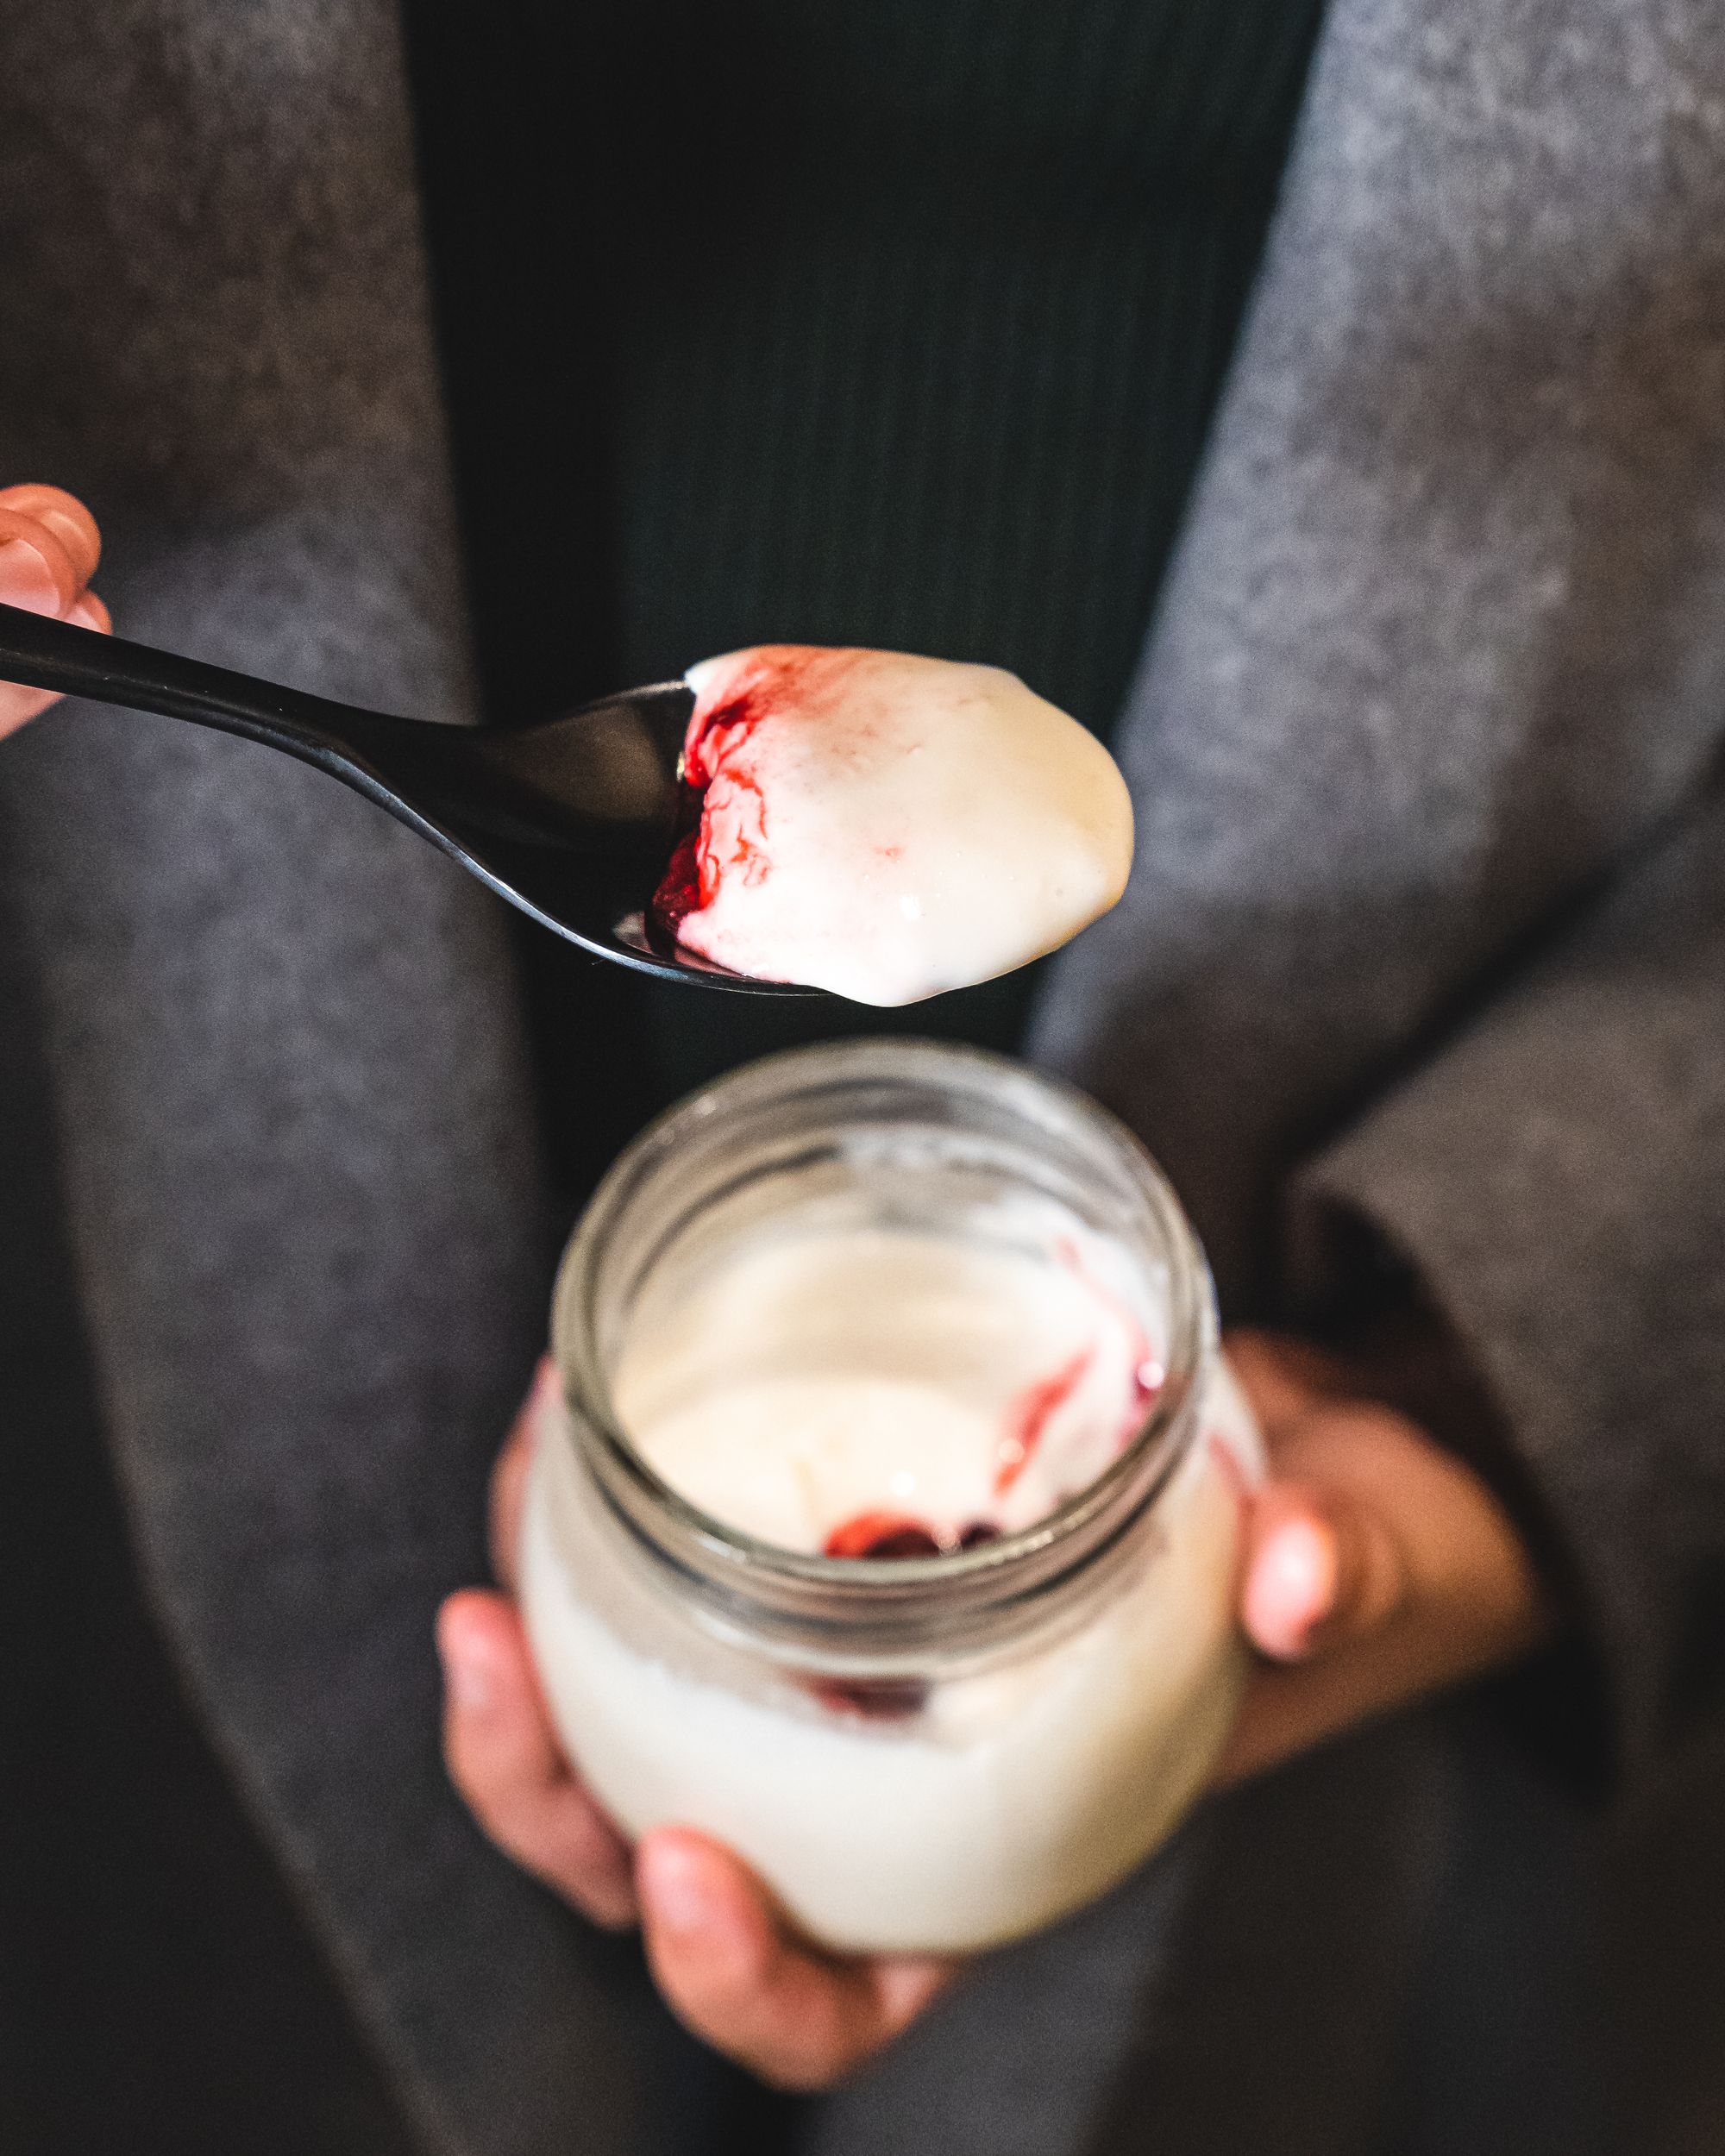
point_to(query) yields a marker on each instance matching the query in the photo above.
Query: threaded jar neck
(920, 1133)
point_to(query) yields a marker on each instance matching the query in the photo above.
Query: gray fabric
(1445, 641)
(1591, 1101)
(1243, 1994)
(1446, 645)
(1445, 636)
(1019, 2059)
(137, 1905)
(290, 1093)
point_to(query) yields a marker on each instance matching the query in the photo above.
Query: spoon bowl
(573, 819)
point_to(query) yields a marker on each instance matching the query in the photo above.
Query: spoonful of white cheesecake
(877, 825)
(887, 827)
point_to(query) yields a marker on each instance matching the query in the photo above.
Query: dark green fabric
(897, 322)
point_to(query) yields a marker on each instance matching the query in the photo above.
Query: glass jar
(916, 1753)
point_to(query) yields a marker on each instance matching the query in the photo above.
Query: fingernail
(71, 534)
(470, 1673)
(26, 580)
(1293, 1585)
(673, 1888)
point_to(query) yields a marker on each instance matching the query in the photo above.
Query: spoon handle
(44, 654)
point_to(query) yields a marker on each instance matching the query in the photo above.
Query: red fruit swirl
(876, 1535)
(882, 1534)
(872, 1699)
(885, 1534)
(679, 891)
(723, 803)
(1029, 1414)
(716, 781)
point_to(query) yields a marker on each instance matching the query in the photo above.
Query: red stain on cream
(729, 838)
(882, 1534)
(892, 1534)
(679, 891)
(1029, 1414)
(1148, 1374)
(871, 1699)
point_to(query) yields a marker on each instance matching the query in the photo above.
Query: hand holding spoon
(877, 825)
(573, 820)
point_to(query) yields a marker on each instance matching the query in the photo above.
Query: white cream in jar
(835, 1389)
(922, 1298)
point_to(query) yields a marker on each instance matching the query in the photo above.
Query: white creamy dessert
(890, 1391)
(821, 1383)
(887, 827)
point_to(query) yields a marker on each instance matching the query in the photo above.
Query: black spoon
(573, 820)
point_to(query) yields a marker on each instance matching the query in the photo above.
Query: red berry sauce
(679, 892)
(885, 1534)
(872, 1699)
(1148, 1374)
(892, 1534)
(711, 760)
(1029, 1414)
(718, 773)
(882, 1534)
(889, 1534)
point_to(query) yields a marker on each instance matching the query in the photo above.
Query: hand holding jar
(989, 1719)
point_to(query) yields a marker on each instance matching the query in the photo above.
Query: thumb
(1321, 1570)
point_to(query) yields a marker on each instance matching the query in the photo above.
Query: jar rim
(876, 1590)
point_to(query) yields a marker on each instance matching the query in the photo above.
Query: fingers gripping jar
(969, 1730)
